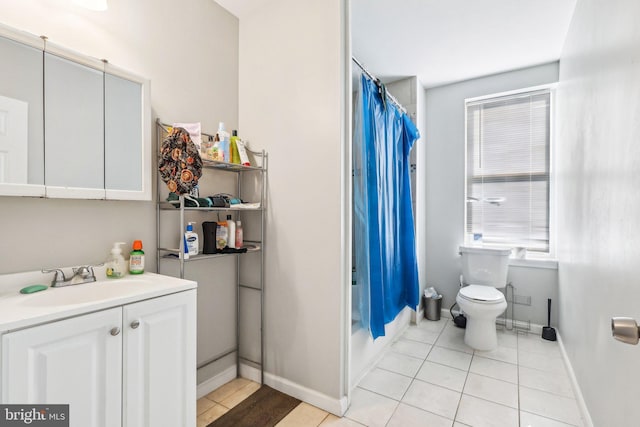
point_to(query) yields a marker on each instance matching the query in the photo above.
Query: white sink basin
(84, 293)
(19, 310)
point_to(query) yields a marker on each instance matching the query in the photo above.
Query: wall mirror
(71, 126)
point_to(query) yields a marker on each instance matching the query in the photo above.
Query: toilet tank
(485, 266)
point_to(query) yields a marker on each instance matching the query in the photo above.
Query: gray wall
(444, 187)
(292, 103)
(599, 207)
(194, 77)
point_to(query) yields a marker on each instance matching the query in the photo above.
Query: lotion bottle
(231, 225)
(242, 152)
(192, 239)
(239, 236)
(225, 148)
(116, 265)
(222, 235)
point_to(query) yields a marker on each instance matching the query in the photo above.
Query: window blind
(507, 183)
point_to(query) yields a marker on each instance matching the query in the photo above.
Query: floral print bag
(180, 164)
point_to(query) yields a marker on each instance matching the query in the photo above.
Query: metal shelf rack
(166, 254)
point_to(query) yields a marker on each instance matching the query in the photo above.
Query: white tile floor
(429, 377)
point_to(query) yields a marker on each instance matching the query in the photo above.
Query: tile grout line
(413, 379)
(463, 386)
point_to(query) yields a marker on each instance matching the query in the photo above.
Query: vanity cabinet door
(160, 362)
(73, 129)
(77, 361)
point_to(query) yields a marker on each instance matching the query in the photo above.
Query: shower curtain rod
(378, 83)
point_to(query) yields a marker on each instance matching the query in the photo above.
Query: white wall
(292, 70)
(189, 51)
(444, 187)
(598, 158)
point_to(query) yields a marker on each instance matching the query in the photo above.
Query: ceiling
(240, 8)
(444, 41)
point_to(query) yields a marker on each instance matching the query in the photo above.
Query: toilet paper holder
(625, 329)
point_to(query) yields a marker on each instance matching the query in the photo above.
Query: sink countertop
(19, 310)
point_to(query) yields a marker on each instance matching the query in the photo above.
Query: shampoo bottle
(215, 150)
(116, 265)
(136, 258)
(239, 236)
(225, 151)
(222, 235)
(231, 240)
(192, 240)
(235, 156)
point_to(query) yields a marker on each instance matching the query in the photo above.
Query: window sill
(551, 264)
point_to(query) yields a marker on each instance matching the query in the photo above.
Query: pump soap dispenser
(116, 265)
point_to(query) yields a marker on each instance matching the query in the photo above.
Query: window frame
(544, 259)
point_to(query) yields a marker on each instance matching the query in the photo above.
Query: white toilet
(483, 270)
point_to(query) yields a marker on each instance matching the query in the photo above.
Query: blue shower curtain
(386, 267)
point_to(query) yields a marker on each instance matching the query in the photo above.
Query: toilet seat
(481, 294)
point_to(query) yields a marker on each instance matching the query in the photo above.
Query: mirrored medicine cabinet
(70, 126)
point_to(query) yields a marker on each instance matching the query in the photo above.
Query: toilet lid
(480, 293)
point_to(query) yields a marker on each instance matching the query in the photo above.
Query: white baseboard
(417, 317)
(330, 404)
(219, 380)
(250, 373)
(582, 405)
(335, 406)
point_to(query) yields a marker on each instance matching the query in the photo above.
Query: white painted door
(160, 362)
(77, 361)
(14, 129)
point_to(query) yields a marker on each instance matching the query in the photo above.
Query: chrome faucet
(82, 274)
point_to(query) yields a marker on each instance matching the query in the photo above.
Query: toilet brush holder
(549, 333)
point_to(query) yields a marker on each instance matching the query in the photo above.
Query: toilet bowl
(483, 271)
(482, 305)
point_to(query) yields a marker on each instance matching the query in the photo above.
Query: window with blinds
(508, 173)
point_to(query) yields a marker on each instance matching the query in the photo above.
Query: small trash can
(432, 307)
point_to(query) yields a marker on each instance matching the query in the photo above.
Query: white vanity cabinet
(160, 362)
(76, 361)
(132, 365)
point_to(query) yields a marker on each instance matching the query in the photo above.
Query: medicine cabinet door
(21, 116)
(127, 140)
(73, 129)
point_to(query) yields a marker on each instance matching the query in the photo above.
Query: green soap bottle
(235, 155)
(136, 258)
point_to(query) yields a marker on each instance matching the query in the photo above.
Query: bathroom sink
(25, 310)
(85, 293)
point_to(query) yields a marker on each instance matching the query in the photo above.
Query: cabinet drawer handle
(135, 324)
(115, 331)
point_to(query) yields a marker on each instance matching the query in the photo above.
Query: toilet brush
(548, 333)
